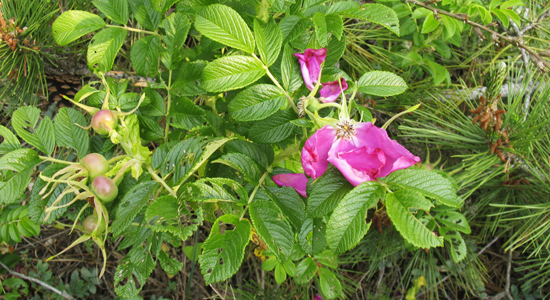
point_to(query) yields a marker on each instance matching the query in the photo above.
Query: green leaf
(10, 141)
(249, 149)
(454, 220)
(269, 39)
(290, 70)
(132, 272)
(501, 16)
(104, 48)
(242, 163)
(327, 193)
(174, 158)
(156, 107)
(292, 27)
(116, 10)
(24, 119)
(346, 226)
(381, 83)
(274, 230)
(341, 6)
(311, 236)
(163, 5)
(450, 26)
(430, 24)
(376, 13)
(335, 50)
(442, 48)
(203, 157)
(131, 204)
(214, 189)
(305, 270)
(176, 27)
(270, 264)
(330, 285)
(256, 103)
(21, 161)
(224, 25)
(223, 251)
(169, 265)
(398, 206)
(335, 25)
(231, 73)
(187, 81)
(67, 134)
(289, 202)
(512, 3)
(429, 184)
(73, 24)
(144, 55)
(280, 274)
(458, 246)
(167, 214)
(512, 15)
(408, 27)
(273, 129)
(145, 14)
(321, 30)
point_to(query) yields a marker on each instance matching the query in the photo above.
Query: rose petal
(297, 181)
(310, 64)
(315, 151)
(397, 157)
(357, 164)
(331, 90)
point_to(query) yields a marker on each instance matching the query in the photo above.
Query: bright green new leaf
(25, 119)
(305, 270)
(103, 49)
(280, 274)
(430, 24)
(73, 24)
(223, 250)
(330, 285)
(256, 103)
(116, 10)
(346, 226)
(274, 230)
(381, 83)
(224, 25)
(398, 207)
(231, 73)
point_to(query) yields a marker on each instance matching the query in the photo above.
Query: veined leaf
(376, 13)
(458, 246)
(167, 214)
(73, 24)
(43, 137)
(224, 25)
(145, 14)
(214, 189)
(231, 73)
(454, 220)
(342, 6)
(223, 251)
(290, 70)
(289, 202)
(136, 267)
(186, 82)
(116, 10)
(273, 129)
(256, 103)
(329, 283)
(21, 161)
(249, 149)
(243, 164)
(169, 265)
(68, 134)
(312, 236)
(10, 143)
(321, 29)
(346, 226)
(305, 270)
(427, 183)
(269, 39)
(327, 193)
(398, 206)
(131, 204)
(104, 48)
(381, 83)
(430, 24)
(144, 55)
(176, 26)
(292, 27)
(274, 230)
(335, 25)
(162, 5)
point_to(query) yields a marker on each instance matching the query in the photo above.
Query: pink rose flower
(364, 156)
(310, 63)
(317, 297)
(331, 90)
(297, 181)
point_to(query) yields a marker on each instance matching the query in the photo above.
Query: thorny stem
(543, 65)
(159, 180)
(262, 179)
(277, 84)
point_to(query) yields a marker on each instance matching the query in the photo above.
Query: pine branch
(539, 62)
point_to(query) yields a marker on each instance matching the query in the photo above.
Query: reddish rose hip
(104, 121)
(104, 188)
(95, 164)
(90, 223)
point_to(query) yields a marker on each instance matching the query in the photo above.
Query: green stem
(133, 29)
(115, 159)
(330, 104)
(56, 160)
(159, 180)
(168, 106)
(278, 84)
(262, 179)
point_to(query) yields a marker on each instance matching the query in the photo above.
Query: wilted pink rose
(369, 154)
(315, 151)
(331, 90)
(310, 63)
(297, 181)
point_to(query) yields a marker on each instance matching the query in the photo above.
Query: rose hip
(104, 121)
(95, 164)
(104, 188)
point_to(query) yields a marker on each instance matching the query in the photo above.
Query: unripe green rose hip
(95, 164)
(104, 121)
(90, 223)
(105, 189)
